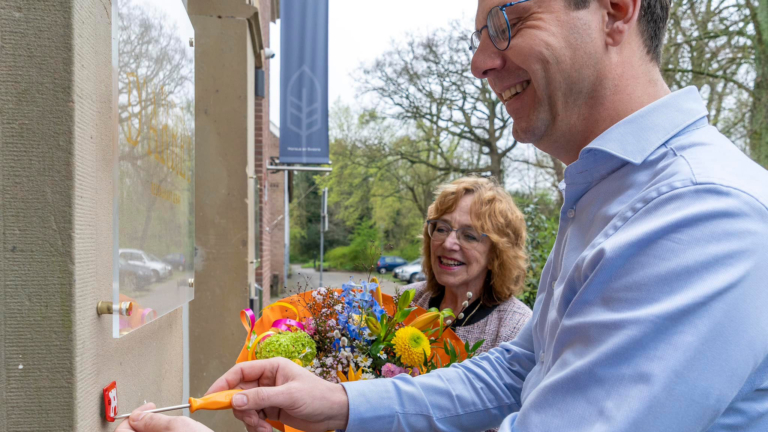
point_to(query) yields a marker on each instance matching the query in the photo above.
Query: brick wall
(271, 192)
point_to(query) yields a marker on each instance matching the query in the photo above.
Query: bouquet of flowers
(354, 333)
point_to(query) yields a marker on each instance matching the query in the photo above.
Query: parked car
(158, 260)
(160, 270)
(387, 263)
(133, 276)
(409, 272)
(398, 271)
(421, 277)
(176, 260)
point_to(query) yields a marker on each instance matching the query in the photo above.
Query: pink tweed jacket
(502, 325)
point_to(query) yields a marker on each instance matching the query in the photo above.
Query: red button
(110, 401)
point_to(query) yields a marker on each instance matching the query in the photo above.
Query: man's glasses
(439, 231)
(498, 27)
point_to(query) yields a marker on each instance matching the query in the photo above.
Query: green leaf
(405, 299)
(376, 348)
(401, 315)
(476, 346)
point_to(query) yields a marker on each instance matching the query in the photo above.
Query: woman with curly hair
(475, 261)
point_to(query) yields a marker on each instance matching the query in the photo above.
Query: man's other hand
(139, 421)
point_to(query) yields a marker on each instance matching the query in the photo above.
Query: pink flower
(309, 327)
(390, 370)
(415, 372)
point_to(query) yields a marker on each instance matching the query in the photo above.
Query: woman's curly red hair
(494, 213)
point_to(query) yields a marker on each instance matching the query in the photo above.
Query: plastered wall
(56, 137)
(224, 76)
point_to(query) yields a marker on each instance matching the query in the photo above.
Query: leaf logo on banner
(304, 104)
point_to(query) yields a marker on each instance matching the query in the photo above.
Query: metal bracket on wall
(107, 308)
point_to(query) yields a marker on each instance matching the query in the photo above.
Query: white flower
(344, 342)
(336, 334)
(469, 295)
(368, 376)
(338, 307)
(465, 304)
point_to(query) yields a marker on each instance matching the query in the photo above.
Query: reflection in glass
(156, 130)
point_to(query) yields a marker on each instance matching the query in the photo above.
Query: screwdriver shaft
(156, 410)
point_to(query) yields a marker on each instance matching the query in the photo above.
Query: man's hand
(281, 390)
(139, 421)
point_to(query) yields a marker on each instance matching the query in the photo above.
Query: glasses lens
(474, 41)
(439, 230)
(468, 236)
(498, 29)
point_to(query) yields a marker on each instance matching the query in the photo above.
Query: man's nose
(486, 58)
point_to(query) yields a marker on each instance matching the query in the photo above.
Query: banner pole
(323, 228)
(287, 254)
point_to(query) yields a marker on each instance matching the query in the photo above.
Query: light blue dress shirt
(652, 312)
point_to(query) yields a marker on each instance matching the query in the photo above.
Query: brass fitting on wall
(107, 308)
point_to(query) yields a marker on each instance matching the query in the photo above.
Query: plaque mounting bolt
(107, 308)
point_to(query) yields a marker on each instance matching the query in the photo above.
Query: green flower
(291, 345)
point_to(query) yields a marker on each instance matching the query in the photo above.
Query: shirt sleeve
(668, 326)
(476, 394)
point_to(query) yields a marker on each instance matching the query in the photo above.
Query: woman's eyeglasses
(499, 29)
(439, 231)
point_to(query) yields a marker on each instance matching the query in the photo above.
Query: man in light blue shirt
(652, 312)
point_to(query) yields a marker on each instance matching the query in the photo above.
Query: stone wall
(57, 131)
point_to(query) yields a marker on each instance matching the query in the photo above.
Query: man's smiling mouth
(508, 94)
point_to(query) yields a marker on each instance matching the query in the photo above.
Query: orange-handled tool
(214, 401)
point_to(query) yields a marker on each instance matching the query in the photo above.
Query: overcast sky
(360, 30)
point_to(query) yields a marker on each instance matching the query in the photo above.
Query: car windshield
(415, 262)
(153, 258)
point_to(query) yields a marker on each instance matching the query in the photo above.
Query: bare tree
(758, 138)
(710, 45)
(427, 83)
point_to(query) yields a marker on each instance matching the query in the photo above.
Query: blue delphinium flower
(358, 300)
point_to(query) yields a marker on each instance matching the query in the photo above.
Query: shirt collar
(634, 138)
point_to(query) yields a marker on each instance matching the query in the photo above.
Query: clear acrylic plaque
(154, 176)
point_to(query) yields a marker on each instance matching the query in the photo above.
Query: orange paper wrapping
(299, 301)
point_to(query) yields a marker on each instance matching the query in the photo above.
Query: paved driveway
(311, 278)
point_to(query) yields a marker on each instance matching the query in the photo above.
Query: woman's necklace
(477, 306)
(465, 305)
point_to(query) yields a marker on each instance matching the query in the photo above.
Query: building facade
(57, 160)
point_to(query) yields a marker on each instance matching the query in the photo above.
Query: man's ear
(620, 16)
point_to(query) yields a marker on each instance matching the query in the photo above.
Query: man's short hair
(653, 23)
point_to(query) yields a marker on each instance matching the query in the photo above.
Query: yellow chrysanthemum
(411, 345)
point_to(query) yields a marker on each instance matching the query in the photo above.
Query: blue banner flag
(304, 82)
